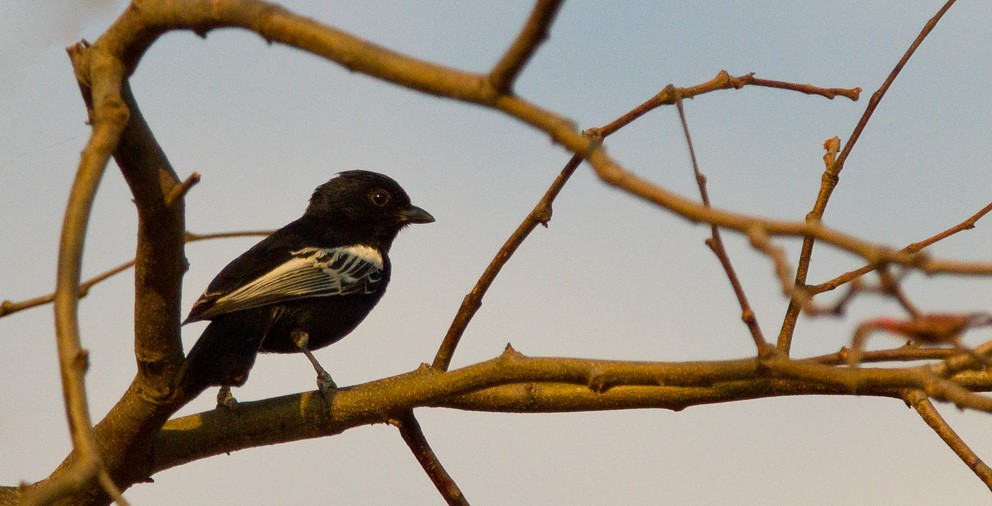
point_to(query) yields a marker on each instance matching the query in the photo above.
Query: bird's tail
(223, 356)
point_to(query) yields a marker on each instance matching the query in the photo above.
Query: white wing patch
(310, 272)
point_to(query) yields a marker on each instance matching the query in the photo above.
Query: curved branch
(108, 120)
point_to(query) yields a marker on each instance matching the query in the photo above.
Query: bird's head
(366, 203)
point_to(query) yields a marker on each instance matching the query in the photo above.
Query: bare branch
(11, 307)
(967, 224)
(827, 183)
(414, 437)
(832, 175)
(180, 191)
(919, 401)
(715, 243)
(723, 81)
(108, 118)
(540, 215)
(852, 93)
(877, 96)
(516, 383)
(503, 75)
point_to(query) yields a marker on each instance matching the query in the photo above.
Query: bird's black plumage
(305, 286)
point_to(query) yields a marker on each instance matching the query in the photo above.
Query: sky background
(611, 278)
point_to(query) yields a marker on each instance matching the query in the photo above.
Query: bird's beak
(414, 214)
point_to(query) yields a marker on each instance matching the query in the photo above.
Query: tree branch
(108, 118)
(919, 401)
(414, 437)
(541, 214)
(715, 243)
(535, 31)
(516, 383)
(915, 247)
(10, 307)
(832, 175)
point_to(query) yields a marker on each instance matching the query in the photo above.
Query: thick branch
(515, 383)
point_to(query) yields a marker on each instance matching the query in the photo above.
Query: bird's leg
(325, 384)
(225, 399)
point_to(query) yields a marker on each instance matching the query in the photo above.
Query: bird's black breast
(324, 319)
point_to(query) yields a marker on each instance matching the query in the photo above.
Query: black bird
(304, 287)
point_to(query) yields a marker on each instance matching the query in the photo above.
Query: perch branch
(516, 383)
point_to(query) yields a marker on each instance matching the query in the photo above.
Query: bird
(303, 287)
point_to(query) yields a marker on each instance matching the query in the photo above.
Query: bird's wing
(308, 272)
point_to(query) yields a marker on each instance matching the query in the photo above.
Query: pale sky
(611, 277)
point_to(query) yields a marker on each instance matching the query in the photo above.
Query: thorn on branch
(509, 351)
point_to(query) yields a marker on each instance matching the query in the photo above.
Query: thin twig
(414, 437)
(852, 93)
(909, 352)
(540, 215)
(715, 243)
(915, 247)
(10, 307)
(832, 175)
(723, 81)
(534, 32)
(922, 378)
(919, 401)
(827, 183)
(877, 96)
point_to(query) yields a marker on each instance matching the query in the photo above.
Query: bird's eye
(379, 197)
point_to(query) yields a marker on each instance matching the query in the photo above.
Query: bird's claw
(326, 386)
(226, 400)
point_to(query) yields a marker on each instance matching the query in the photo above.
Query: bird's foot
(226, 400)
(324, 382)
(326, 385)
